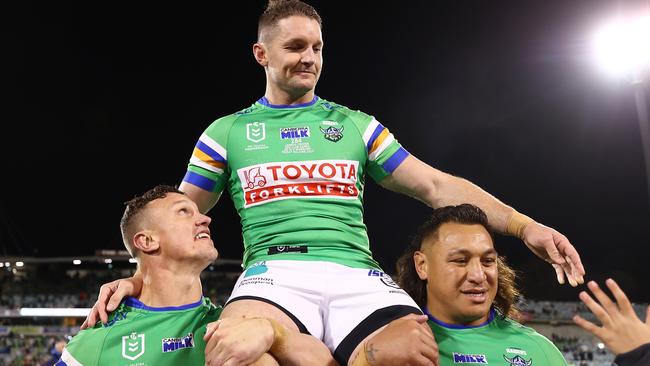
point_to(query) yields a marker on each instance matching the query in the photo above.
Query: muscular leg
(302, 349)
(258, 309)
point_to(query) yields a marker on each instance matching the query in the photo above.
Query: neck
(284, 97)
(163, 286)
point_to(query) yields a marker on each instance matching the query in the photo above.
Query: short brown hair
(277, 10)
(407, 276)
(134, 210)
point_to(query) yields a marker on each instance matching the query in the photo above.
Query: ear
(421, 264)
(146, 241)
(259, 52)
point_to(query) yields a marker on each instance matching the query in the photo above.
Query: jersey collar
(135, 303)
(457, 326)
(265, 102)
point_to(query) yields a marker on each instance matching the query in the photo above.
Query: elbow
(438, 190)
(428, 193)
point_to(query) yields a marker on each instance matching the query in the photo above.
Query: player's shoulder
(523, 331)
(359, 119)
(121, 316)
(354, 114)
(225, 122)
(90, 344)
(512, 325)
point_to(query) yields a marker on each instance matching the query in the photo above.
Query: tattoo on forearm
(370, 352)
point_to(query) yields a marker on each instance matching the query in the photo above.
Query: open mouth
(478, 295)
(202, 235)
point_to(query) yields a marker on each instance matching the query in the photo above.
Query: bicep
(204, 199)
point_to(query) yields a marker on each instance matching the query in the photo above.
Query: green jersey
(499, 341)
(139, 335)
(296, 175)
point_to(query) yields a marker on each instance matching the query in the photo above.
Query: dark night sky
(103, 103)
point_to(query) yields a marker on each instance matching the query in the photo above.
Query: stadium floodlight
(132, 260)
(7, 264)
(20, 264)
(76, 262)
(622, 48)
(2, 264)
(108, 261)
(55, 312)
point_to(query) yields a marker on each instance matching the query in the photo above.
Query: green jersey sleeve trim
(67, 360)
(209, 161)
(384, 152)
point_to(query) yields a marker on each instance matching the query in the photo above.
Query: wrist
(516, 224)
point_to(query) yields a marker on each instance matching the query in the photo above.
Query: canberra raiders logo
(518, 361)
(332, 133)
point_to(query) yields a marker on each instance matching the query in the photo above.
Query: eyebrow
(178, 201)
(465, 251)
(295, 40)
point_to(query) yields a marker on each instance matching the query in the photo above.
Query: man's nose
(203, 220)
(476, 272)
(308, 56)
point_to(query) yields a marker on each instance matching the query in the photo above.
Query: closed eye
(489, 261)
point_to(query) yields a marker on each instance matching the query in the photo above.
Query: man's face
(294, 54)
(181, 229)
(460, 266)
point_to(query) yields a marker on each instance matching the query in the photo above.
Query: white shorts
(337, 304)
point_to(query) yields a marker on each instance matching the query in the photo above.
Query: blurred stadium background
(43, 301)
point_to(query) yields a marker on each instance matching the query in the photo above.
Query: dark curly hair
(277, 10)
(134, 210)
(409, 280)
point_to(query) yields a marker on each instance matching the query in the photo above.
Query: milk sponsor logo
(471, 359)
(294, 133)
(173, 344)
(299, 179)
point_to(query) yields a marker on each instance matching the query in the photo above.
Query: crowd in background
(78, 289)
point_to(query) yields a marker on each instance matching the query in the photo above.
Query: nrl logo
(518, 361)
(332, 133)
(133, 346)
(255, 131)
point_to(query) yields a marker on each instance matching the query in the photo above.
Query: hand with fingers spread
(621, 330)
(405, 341)
(553, 247)
(110, 297)
(239, 341)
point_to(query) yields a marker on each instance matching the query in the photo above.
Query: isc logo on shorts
(299, 179)
(385, 278)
